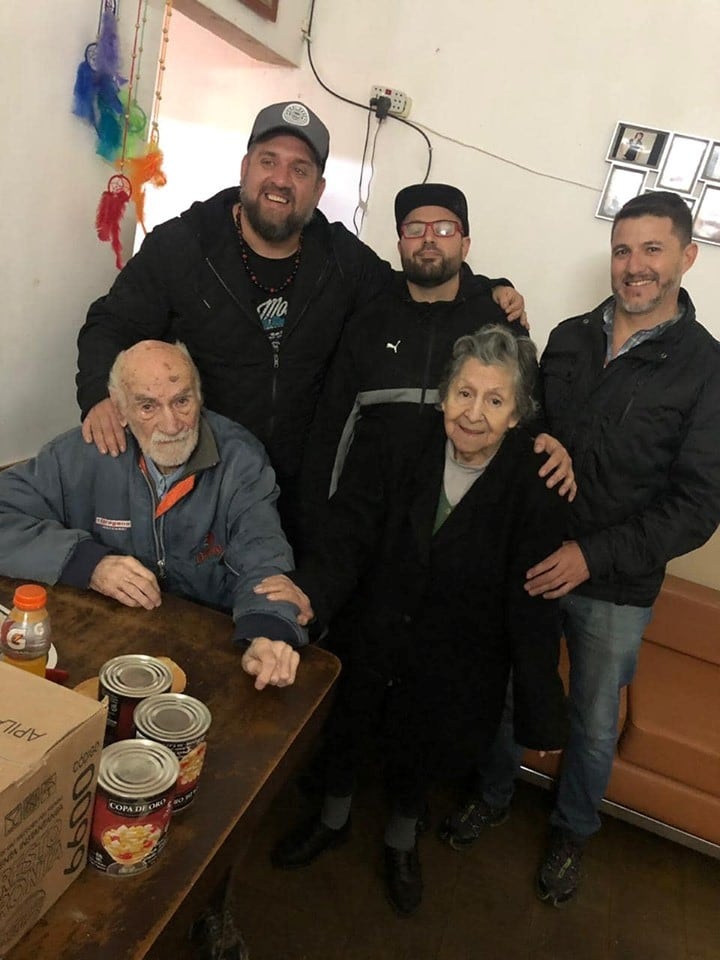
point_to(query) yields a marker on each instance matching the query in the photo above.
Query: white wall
(51, 263)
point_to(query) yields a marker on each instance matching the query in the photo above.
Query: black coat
(443, 616)
(644, 435)
(188, 282)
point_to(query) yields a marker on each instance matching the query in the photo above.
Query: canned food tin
(180, 723)
(133, 806)
(124, 681)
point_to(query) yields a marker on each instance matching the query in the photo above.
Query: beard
(431, 273)
(638, 308)
(168, 451)
(274, 231)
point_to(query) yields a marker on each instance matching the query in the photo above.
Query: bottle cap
(30, 597)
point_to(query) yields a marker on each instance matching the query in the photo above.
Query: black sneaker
(559, 874)
(216, 937)
(463, 827)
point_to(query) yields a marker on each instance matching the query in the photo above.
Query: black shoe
(403, 879)
(217, 938)
(559, 874)
(463, 827)
(306, 843)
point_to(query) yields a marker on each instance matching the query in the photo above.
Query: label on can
(180, 723)
(133, 806)
(125, 681)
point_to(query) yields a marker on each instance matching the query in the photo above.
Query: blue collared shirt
(162, 481)
(635, 339)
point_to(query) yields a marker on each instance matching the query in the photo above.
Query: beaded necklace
(251, 273)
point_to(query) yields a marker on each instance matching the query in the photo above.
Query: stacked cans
(133, 806)
(180, 723)
(142, 781)
(125, 681)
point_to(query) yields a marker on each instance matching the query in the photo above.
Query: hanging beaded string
(135, 57)
(251, 273)
(155, 114)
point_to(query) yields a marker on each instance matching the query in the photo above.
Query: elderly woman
(421, 563)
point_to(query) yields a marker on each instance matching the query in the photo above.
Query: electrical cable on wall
(421, 128)
(363, 202)
(355, 103)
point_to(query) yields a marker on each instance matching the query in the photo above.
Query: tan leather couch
(667, 766)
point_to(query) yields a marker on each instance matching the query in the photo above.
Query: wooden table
(256, 741)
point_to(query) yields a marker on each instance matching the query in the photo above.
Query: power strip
(400, 102)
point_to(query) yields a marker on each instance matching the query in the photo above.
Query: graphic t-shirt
(272, 308)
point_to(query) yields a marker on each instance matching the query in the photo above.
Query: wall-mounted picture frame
(706, 224)
(711, 170)
(621, 185)
(267, 9)
(641, 146)
(682, 165)
(689, 201)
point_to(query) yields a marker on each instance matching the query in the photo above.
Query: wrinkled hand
(279, 587)
(559, 573)
(558, 468)
(102, 427)
(125, 579)
(271, 662)
(513, 303)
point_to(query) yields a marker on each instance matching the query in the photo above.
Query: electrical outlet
(400, 102)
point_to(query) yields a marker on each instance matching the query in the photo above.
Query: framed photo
(689, 201)
(621, 185)
(641, 146)
(267, 9)
(706, 225)
(682, 164)
(711, 170)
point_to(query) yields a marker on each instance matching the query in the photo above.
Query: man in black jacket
(393, 351)
(633, 390)
(257, 285)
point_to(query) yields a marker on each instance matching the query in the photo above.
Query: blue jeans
(603, 641)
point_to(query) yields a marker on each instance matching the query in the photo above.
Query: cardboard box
(50, 744)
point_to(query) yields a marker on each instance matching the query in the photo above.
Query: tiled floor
(642, 898)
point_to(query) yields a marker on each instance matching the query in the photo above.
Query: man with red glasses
(393, 351)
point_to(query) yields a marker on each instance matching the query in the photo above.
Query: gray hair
(497, 346)
(116, 389)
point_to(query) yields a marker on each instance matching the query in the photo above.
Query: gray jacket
(215, 534)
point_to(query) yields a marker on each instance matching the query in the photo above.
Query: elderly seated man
(188, 507)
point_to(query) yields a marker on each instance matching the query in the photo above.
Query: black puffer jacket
(188, 282)
(644, 435)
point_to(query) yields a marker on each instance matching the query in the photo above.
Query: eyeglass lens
(441, 228)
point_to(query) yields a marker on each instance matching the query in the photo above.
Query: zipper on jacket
(275, 344)
(428, 357)
(159, 547)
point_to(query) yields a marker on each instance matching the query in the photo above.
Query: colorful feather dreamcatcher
(119, 121)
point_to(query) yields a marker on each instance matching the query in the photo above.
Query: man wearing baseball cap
(258, 285)
(394, 350)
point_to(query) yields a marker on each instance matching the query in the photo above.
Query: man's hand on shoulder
(559, 573)
(126, 580)
(272, 662)
(513, 303)
(103, 428)
(558, 468)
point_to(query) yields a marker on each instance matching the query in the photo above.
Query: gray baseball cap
(297, 120)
